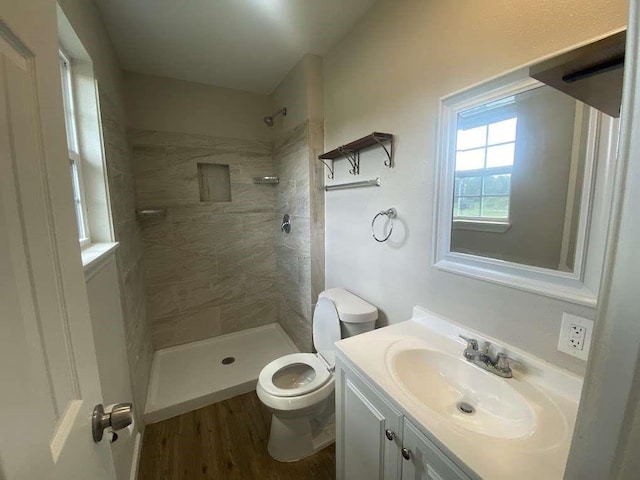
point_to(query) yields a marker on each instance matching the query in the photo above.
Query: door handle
(120, 417)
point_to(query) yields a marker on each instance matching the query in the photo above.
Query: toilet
(299, 388)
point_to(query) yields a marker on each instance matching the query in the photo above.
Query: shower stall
(228, 288)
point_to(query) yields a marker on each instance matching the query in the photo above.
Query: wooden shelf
(351, 151)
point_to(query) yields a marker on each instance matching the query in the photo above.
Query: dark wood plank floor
(227, 440)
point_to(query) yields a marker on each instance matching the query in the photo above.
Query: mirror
(519, 168)
(523, 187)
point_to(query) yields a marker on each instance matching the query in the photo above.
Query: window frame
(482, 173)
(73, 148)
(486, 171)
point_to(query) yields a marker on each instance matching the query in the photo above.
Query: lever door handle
(121, 416)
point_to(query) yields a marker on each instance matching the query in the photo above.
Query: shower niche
(214, 182)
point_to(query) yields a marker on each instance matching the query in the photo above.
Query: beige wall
(388, 75)
(87, 24)
(301, 92)
(164, 104)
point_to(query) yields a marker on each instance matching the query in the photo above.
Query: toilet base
(292, 439)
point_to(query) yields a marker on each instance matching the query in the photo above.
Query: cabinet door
(425, 461)
(363, 422)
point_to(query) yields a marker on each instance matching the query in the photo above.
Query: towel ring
(390, 213)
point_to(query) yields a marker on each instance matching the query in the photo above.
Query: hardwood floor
(227, 440)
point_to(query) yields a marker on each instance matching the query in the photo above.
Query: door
(48, 370)
(111, 353)
(367, 433)
(422, 460)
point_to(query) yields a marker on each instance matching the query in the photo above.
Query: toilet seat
(294, 375)
(299, 389)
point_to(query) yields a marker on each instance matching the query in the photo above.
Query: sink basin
(470, 397)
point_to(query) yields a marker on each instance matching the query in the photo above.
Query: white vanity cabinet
(368, 432)
(374, 441)
(422, 460)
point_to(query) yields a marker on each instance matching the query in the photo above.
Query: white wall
(157, 103)
(388, 75)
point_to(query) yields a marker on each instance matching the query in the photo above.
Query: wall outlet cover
(575, 336)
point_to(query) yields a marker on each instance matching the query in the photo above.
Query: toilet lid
(326, 326)
(294, 375)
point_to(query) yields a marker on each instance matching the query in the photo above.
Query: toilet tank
(356, 315)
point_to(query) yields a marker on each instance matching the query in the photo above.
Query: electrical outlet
(575, 335)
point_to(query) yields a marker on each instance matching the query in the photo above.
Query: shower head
(269, 119)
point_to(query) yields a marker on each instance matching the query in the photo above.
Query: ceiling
(243, 44)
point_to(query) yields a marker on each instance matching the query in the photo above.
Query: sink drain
(465, 408)
(228, 360)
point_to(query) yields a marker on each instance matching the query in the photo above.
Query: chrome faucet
(498, 365)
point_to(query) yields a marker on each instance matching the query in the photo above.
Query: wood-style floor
(227, 440)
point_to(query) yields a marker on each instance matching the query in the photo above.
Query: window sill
(480, 226)
(95, 255)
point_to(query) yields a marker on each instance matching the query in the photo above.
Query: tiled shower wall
(300, 254)
(210, 266)
(317, 175)
(129, 253)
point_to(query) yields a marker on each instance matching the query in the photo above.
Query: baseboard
(137, 449)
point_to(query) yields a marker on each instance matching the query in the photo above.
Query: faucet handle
(502, 361)
(502, 365)
(472, 343)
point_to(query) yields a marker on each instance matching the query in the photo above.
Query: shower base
(197, 374)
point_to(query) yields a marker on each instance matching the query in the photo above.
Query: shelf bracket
(354, 159)
(351, 152)
(330, 176)
(389, 152)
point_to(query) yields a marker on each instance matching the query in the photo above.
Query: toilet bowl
(298, 389)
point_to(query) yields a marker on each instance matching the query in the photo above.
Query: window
(485, 151)
(75, 160)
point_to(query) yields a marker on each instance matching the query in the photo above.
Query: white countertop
(552, 393)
